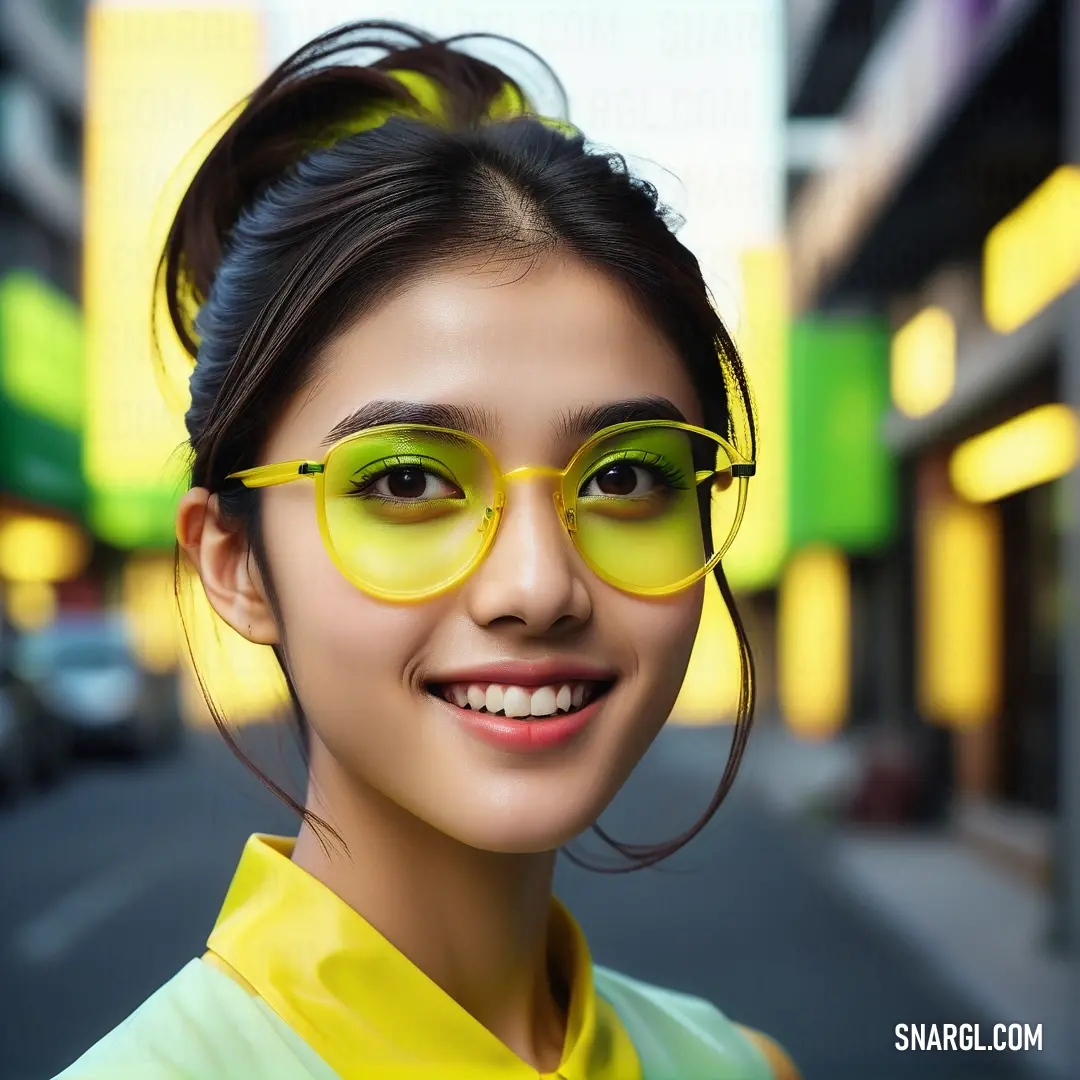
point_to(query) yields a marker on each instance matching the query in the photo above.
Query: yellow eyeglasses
(408, 511)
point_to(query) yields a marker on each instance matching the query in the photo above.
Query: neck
(475, 922)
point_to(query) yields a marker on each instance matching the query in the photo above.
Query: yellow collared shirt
(297, 986)
(367, 1010)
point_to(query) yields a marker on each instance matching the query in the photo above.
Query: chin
(520, 833)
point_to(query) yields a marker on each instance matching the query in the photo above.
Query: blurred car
(14, 751)
(81, 673)
(34, 747)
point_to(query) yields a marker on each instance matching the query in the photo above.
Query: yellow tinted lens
(408, 509)
(645, 502)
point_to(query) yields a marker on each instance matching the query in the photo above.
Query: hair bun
(310, 101)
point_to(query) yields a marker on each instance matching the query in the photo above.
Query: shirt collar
(360, 1003)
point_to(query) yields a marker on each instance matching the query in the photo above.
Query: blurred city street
(883, 197)
(119, 874)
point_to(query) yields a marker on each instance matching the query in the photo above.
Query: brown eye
(410, 483)
(618, 480)
(621, 480)
(407, 483)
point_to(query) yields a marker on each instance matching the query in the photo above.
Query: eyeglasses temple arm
(283, 472)
(738, 469)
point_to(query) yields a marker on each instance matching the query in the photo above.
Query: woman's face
(527, 350)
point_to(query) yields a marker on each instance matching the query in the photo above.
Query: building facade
(45, 550)
(934, 192)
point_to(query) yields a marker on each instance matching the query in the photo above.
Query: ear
(226, 564)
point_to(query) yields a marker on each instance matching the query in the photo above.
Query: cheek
(345, 649)
(661, 634)
(664, 632)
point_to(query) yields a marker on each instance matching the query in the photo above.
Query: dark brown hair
(303, 217)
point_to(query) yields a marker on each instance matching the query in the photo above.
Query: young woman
(467, 438)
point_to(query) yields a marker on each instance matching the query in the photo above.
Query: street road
(110, 883)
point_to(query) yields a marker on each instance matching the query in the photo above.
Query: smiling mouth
(522, 702)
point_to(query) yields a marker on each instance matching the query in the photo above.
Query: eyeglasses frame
(285, 472)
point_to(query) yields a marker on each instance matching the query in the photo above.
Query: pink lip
(524, 735)
(527, 673)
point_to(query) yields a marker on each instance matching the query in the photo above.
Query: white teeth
(520, 701)
(543, 702)
(516, 702)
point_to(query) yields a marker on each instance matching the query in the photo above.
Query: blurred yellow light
(959, 593)
(924, 362)
(1032, 256)
(710, 690)
(38, 549)
(150, 608)
(757, 555)
(1034, 448)
(814, 645)
(30, 605)
(158, 77)
(244, 680)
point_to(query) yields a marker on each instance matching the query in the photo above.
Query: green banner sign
(842, 477)
(133, 518)
(42, 394)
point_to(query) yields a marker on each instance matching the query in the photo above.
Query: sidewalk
(981, 928)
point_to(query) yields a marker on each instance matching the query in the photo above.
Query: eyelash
(671, 476)
(359, 485)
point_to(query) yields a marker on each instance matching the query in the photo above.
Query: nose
(532, 578)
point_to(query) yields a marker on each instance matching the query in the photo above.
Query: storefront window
(1029, 735)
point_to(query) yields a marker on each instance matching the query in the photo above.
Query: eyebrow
(577, 423)
(471, 419)
(583, 422)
